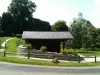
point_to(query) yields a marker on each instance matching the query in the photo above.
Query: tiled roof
(46, 35)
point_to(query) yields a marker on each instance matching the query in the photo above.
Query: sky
(54, 10)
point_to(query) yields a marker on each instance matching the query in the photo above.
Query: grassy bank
(11, 45)
(46, 63)
(2, 39)
(84, 52)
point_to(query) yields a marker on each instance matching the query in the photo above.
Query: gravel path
(3, 44)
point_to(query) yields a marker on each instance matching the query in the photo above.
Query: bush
(55, 60)
(43, 48)
(64, 52)
(19, 35)
(75, 54)
(29, 46)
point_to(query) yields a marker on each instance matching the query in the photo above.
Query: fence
(29, 55)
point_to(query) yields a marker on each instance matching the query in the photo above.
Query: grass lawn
(46, 63)
(11, 45)
(2, 40)
(85, 52)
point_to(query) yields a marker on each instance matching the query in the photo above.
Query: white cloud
(3, 5)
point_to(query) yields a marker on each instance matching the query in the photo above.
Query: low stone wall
(48, 55)
(21, 49)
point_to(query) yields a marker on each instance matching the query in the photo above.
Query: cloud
(95, 15)
(3, 5)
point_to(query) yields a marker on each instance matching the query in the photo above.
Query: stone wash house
(51, 40)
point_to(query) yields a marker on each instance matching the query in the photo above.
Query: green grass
(85, 52)
(2, 40)
(11, 45)
(46, 63)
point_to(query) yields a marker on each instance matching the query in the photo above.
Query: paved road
(12, 69)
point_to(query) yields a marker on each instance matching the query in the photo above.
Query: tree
(38, 25)
(60, 26)
(76, 32)
(0, 24)
(84, 33)
(7, 24)
(22, 11)
(19, 18)
(98, 38)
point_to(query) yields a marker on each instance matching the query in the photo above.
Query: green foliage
(84, 33)
(0, 24)
(18, 35)
(64, 52)
(75, 53)
(98, 38)
(7, 24)
(28, 46)
(43, 48)
(19, 18)
(60, 26)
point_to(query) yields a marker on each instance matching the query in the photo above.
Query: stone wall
(21, 49)
(48, 55)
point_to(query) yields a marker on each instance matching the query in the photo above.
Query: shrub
(18, 35)
(29, 46)
(55, 60)
(43, 48)
(64, 52)
(75, 53)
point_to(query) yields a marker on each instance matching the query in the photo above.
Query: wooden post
(79, 59)
(95, 59)
(4, 54)
(28, 55)
(63, 45)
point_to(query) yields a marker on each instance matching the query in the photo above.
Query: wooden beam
(63, 44)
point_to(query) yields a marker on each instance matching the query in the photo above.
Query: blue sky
(54, 10)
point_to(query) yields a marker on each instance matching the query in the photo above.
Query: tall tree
(60, 26)
(84, 33)
(22, 11)
(0, 24)
(38, 25)
(7, 24)
(98, 38)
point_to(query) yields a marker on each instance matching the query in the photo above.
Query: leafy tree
(38, 25)
(19, 18)
(22, 11)
(0, 23)
(76, 32)
(84, 33)
(60, 26)
(98, 38)
(7, 24)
